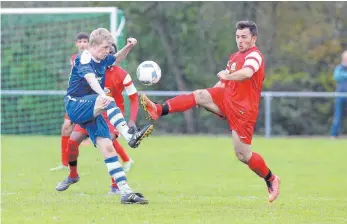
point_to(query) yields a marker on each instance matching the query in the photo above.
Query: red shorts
(236, 118)
(112, 129)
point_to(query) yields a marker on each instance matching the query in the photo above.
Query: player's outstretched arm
(122, 54)
(131, 91)
(94, 84)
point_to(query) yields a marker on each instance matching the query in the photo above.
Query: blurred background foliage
(192, 41)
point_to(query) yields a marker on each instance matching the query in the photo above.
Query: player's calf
(257, 164)
(67, 128)
(243, 153)
(179, 103)
(66, 131)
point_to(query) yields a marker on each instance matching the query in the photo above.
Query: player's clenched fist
(222, 74)
(132, 41)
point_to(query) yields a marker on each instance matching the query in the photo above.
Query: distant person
(81, 42)
(340, 76)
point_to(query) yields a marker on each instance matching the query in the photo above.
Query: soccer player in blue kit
(85, 102)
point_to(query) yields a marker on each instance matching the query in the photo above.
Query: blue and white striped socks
(116, 171)
(117, 120)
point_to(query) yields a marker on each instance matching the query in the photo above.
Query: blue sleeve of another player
(110, 59)
(85, 65)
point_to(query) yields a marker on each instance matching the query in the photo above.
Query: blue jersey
(84, 64)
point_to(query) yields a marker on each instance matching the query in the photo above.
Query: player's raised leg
(255, 162)
(179, 103)
(115, 116)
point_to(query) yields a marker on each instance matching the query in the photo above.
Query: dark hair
(248, 24)
(82, 35)
(113, 49)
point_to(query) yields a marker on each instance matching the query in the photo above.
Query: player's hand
(222, 74)
(131, 124)
(131, 41)
(106, 100)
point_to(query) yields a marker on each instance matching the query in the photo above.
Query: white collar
(94, 59)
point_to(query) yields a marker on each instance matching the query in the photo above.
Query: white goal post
(116, 31)
(36, 46)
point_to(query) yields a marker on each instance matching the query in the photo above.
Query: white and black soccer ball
(148, 73)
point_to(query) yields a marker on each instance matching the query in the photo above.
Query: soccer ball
(148, 73)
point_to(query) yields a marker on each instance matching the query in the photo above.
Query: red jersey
(245, 95)
(117, 80)
(72, 59)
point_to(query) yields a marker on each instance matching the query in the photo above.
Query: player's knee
(110, 149)
(100, 102)
(243, 153)
(107, 147)
(67, 128)
(78, 137)
(102, 98)
(110, 98)
(241, 156)
(201, 96)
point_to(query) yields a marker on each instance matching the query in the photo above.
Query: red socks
(179, 103)
(121, 151)
(73, 171)
(257, 164)
(114, 184)
(64, 142)
(72, 153)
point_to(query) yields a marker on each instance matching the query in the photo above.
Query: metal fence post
(268, 99)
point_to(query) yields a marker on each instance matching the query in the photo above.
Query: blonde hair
(99, 35)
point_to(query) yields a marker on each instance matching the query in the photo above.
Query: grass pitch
(186, 179)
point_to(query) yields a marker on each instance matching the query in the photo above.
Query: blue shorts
(81, 111)
(97, 128)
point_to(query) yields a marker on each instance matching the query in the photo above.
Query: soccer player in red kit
(236, 98)
(81, 43)
(117, 80)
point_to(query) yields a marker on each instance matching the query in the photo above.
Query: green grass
(186, 179)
